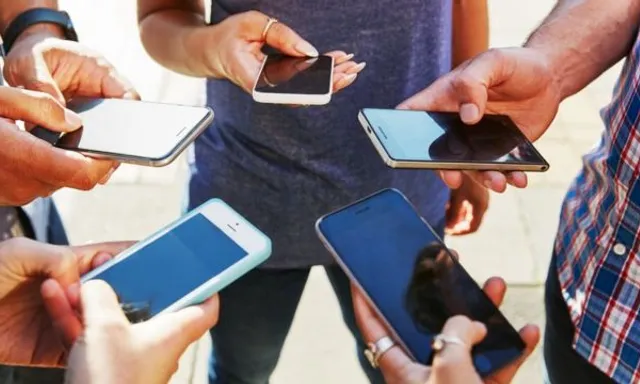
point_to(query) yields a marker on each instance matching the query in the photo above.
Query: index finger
(39, 160)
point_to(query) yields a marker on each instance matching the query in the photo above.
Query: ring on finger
(440, 342)
(377, 349)
(268, 26)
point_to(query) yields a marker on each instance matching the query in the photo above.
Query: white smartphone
(131, 131)
(295, 80)
(186, 262)
(440, 140)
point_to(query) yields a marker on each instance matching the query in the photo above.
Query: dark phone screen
(173, 265)
(295, 75)
(128, 127)
(444, 138)
(413, 280)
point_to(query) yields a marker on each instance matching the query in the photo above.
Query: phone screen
(296, 75)
(129, 127)
(167, 269)
(413, 280)
(442, 137)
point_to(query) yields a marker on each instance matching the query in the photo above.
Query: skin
(576, 43)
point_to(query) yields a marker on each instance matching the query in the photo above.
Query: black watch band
(37, 16)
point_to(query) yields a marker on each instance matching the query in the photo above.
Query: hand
(64, 69)
(32, 168)
(114, 351)
(514, 82)
(27, 334)
(449, 367)
(239, 40)
(466, 208)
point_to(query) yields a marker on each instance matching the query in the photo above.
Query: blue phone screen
(413, 280)
(164, 271)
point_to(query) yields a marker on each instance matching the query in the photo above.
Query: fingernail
(344, 58)
(306, 49)
(348, 79)
(487, 183)
(72, 118)
(48, 289)
(469, 113)
(106, 177)
(358, 68)
(73, 290)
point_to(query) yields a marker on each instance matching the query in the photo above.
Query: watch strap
(35, 16)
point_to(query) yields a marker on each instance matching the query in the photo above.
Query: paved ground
(514, 241)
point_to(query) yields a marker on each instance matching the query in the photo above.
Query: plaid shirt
(598, 242)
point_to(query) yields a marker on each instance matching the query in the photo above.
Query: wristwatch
(37, 16)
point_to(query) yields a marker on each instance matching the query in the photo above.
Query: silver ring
(267, 27)
(440, 342)
(378, 348)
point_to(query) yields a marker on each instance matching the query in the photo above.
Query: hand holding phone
(412, 280)
(304, 80)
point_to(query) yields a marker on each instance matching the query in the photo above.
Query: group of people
(282, 167)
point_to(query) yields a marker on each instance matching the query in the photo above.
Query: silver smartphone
(131, 131)
(440, 140)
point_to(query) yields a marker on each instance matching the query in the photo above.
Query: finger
(341, 81)
(37, 108)
(495, 288)
(349, 67)
(86, 254)
(455, 212)
(453, 179)
(517, 179)
(100, 305)
(114, 85)
(477, 215)
(63, 317)
(530, 334)
(37, 159)
(373, 329)
(492, 180)
(182, 328)
(468, 331)
(340, 57)
(280, 37)
(20, 190)
(36, 78)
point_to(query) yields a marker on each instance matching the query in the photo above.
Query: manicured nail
(344, 59)
(358, 68)
(306, 49)
(72, 118)
(348, 79)
(469, 113)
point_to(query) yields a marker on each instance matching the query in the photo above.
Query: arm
(583, 38)
(9, 9)
(167, 28)
(470, 30)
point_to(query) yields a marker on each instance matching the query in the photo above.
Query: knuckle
(47, 106)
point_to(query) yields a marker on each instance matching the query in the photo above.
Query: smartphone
(186, 262)
(412, 280)
(440, 140)
(131, 131)
(295, 80)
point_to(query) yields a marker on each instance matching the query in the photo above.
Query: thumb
(100, 307)
(37, 108)
(180, 329)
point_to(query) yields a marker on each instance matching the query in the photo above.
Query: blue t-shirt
(281, 167)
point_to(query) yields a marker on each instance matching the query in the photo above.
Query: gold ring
(267, 27)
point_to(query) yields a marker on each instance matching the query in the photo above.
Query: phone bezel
(368, 298)
(256, 244)
(183, 140)
(381, 148)
(292, 98)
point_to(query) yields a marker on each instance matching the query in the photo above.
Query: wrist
(44, 29)
(558, 66)
(195, 40)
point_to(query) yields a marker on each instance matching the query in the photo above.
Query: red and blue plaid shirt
(598, 240)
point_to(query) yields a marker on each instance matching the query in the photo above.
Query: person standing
(283, 167)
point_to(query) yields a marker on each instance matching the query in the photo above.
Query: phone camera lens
(237, 224)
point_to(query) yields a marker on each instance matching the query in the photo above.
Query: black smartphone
(131, 131)
(412, 279)
(294, 80)
(440, 140)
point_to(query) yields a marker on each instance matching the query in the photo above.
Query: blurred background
(514, 241)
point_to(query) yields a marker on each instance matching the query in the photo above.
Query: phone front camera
(237, 224)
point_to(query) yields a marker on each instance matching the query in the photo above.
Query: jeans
(19, 375)
(256, 313)
(564, 365)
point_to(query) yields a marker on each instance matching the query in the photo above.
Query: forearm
(470, 30)
(9, 9)
(583, 38)
(168, 36)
